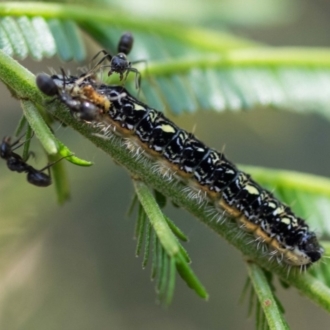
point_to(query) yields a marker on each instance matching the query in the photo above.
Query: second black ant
(17, 164)
(83, 109)
(119, 63)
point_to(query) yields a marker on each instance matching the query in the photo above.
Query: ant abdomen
(125, 43)
(46, 84)
(38, 178)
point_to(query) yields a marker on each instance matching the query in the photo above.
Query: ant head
(125, 43)
(119, 63)
(5, 148)
(46, 84)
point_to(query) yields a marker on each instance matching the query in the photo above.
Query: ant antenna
(64, 78)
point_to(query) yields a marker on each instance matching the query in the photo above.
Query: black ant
(17, 164)
(83, 109)
(86, 99)
(119, 63)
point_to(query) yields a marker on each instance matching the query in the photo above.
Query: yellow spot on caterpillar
(138, 107)
(272, 205)
(294, 222)
(168, 128)
(279, 210)
(252, 190)
(153, 116)
(183, 135)
(287, 221)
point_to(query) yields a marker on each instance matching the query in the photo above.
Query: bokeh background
(74, 266)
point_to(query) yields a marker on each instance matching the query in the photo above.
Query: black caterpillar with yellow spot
(204, 169)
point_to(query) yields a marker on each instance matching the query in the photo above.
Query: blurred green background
(73, 267)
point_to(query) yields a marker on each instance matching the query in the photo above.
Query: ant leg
(137, 77)
(126, 75)
(53, 163)
(146, 68)
(98, 53)
(16, 142)
(22, 143)
(64, 77)
(138, 81)
(140, 61)
(106, 56)
(30, 154)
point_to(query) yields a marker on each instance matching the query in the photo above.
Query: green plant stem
(19, 80)
(266, 57)
(199, 38)
(156, 218)
(142, 168)
(266, 298)
(241, 53)
(40, 128)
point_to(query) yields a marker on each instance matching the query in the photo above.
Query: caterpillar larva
(205, 169)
